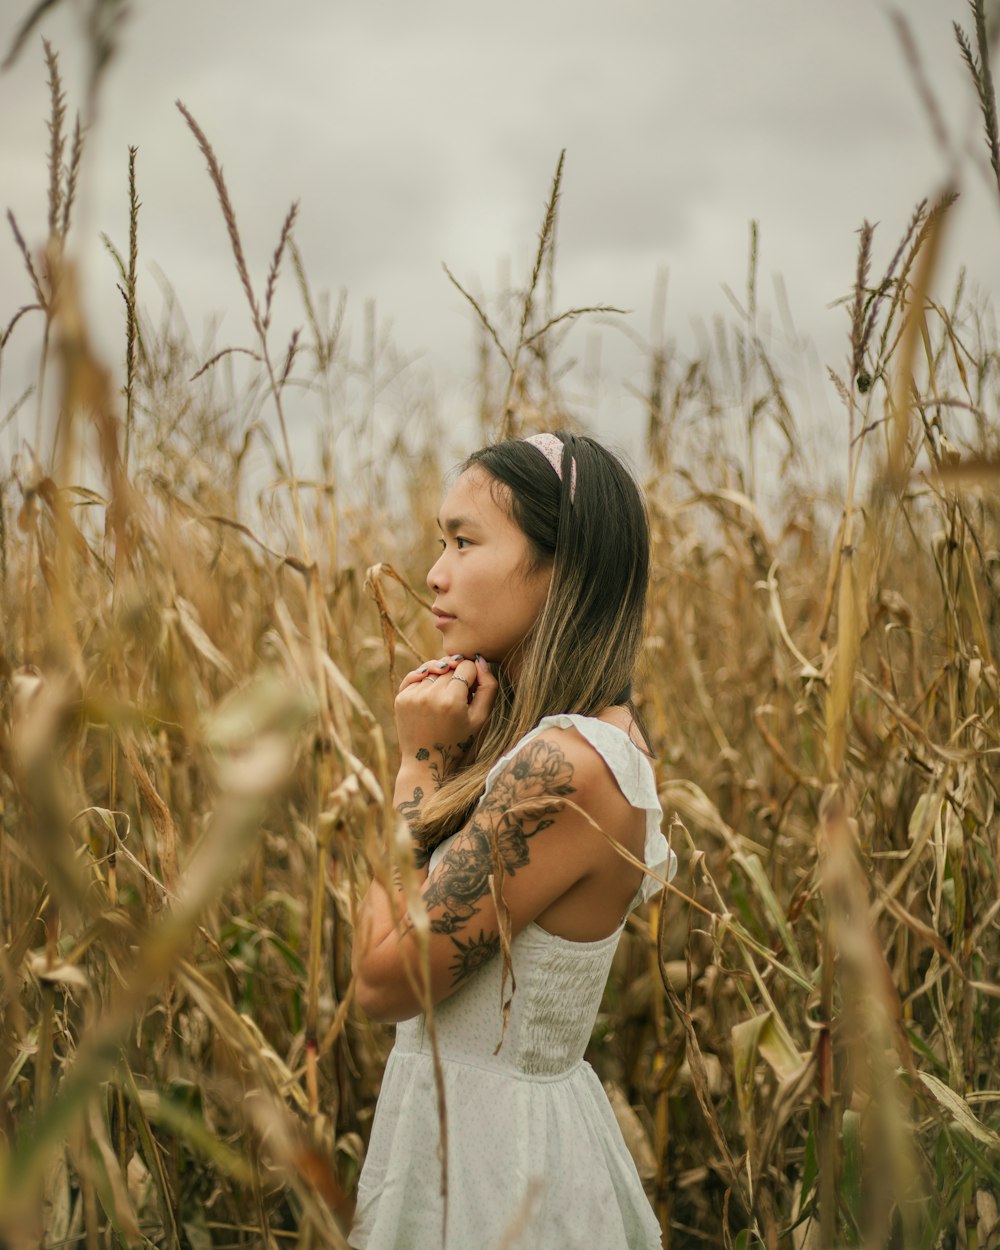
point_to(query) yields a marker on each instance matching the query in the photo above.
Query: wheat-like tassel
(57, 139)
(987, 95)
(915, 219)
(29, 264)
(272, 273)
(72, 177)
(130, 308)
(507, 426)
(481, 314)
(982, 79)
(860, 290)
(545, 237)
(228, 213)
(215, 172)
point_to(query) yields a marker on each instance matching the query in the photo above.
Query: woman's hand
(440, 709)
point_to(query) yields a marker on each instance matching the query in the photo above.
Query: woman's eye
(461, 543)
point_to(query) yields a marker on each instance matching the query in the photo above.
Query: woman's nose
(436, 574)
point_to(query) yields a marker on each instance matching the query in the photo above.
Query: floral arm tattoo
(409, 809)
(523, 801)
(451, 755)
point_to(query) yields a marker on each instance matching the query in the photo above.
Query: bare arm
(525, 834)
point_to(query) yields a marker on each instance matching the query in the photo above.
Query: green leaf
(985, 1164)
(746, 1039)
(754, 869)
(810, 1168)
(850, 1180)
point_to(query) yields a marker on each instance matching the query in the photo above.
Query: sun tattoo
(524, 800)
(473, 955)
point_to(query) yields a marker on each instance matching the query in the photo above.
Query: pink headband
(552, 449)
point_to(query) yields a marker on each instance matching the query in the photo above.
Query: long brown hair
(580, 656)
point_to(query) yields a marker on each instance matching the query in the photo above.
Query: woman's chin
(461, 640)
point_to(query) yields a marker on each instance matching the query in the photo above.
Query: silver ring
(458, 677)
(432, 676)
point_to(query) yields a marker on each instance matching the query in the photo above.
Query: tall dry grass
(801, 1042)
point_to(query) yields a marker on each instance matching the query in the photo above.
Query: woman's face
(487, 595)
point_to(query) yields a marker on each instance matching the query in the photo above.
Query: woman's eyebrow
(452, 524)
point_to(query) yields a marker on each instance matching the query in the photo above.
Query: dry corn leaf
(57, 974)
(924, 819)
(958, 1109)
(850, 628)
(338, 679)
(636, 1138)
(806, 667)
(56, 1199)
(114, 1192)
(188, 1125)
(969, 471)
(690, 800)
(187, 618)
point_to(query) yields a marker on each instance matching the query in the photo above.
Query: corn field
(801, 1040)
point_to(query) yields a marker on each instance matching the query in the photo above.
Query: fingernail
(443, 665)
(422, 668)
(458, 657)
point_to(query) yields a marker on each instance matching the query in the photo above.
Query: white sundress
(532, 1141)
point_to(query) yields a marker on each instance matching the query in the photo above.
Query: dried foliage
(801, 1041)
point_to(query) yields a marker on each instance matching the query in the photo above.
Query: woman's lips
(441, 619)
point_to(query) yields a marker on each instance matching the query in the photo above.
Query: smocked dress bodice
(530, 1133)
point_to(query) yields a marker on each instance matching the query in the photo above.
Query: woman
(523, 776)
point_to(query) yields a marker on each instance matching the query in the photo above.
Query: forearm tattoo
(409, 809)
(451, 754)
(523, 801)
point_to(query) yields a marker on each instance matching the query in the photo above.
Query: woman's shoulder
(593, 755)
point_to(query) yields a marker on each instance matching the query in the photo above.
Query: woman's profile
(523, 774)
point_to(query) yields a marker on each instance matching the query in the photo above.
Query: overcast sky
(419, 133)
